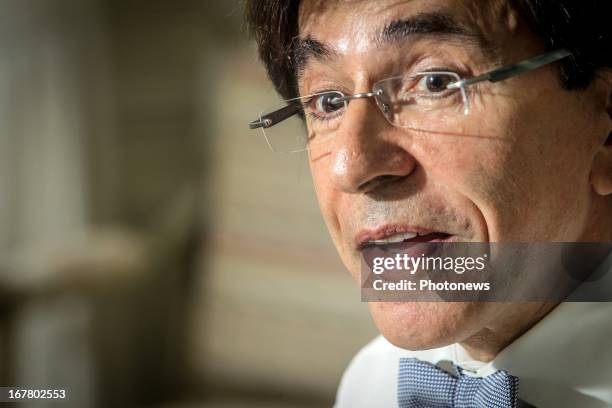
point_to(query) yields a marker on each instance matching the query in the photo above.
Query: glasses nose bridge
(362, 95)
(375, 94)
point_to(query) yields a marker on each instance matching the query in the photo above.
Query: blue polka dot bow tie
(423, 385)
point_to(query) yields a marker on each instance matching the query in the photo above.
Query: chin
(427, 325)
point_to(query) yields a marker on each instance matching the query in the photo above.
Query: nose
(367, 151)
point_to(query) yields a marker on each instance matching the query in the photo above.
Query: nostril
(377, 182)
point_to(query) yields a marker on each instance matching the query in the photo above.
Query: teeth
(394, 238)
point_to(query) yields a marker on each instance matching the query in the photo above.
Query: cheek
(470, 168)
(545, 170)
(328, 197)
(534, 171)
(514, 163)
(334, 205)
(323, 189)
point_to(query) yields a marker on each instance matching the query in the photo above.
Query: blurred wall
(43, 183)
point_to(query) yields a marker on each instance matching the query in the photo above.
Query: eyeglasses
(429, 101)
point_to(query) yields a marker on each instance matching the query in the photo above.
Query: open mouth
(386, 237)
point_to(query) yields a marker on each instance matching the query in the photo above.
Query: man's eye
(435, 83)
(327, 103)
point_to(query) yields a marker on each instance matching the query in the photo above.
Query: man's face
(515, 169)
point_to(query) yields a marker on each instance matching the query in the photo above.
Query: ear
(601, 172)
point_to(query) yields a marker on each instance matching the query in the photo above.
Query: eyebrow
(438, 24)
(397, 31)
(307, 49)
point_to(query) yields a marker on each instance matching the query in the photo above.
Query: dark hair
(580, 26)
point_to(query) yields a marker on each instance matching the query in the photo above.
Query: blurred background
(153, 251)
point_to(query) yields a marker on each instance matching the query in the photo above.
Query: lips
(392, 234)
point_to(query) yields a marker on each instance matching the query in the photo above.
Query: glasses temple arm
(509, 71)
(277, 116)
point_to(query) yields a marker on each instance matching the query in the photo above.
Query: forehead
(355, 26)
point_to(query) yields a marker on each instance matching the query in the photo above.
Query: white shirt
(565, 360)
